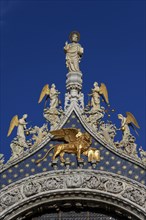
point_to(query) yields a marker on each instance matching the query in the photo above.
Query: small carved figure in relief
(38, 134)
(93, 118)
(76, 142)
(17, 149)
(142, 155)
(130, 147)
(74, 52)
(96, 94)
(107, 131)
(74, 181)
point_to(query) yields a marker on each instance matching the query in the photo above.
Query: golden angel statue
(51, 93)
(126, 122)
(74, 52)
(97, 91)
(75, 142)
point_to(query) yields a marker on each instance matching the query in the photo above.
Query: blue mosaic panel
(110, 162)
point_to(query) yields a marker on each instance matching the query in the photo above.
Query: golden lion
(76, 143)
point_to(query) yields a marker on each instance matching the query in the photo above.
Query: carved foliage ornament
(74, 180)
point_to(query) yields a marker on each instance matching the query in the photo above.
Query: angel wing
(131, 119)
(14, 122)
(65, 134)
(45, 91)
(104, 92)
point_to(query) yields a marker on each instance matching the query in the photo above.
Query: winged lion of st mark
(75, 142)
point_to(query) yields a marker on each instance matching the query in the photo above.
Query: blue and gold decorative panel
(110, 161)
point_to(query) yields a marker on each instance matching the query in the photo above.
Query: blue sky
(33, 34)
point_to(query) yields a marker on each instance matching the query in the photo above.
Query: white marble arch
(87, 187)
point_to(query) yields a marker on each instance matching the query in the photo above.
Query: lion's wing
(65, 134)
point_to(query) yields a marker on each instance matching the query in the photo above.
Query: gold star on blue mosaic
(15, 175)
(136, 177)
(21, 170)
(4, 176)
(10, 171)
(27, 165)
(9, 181)
(107, 153)
(44, 169)
(32, 170)
(101, 168)
(16, 166)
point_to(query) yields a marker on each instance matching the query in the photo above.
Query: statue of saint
(74, 52)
